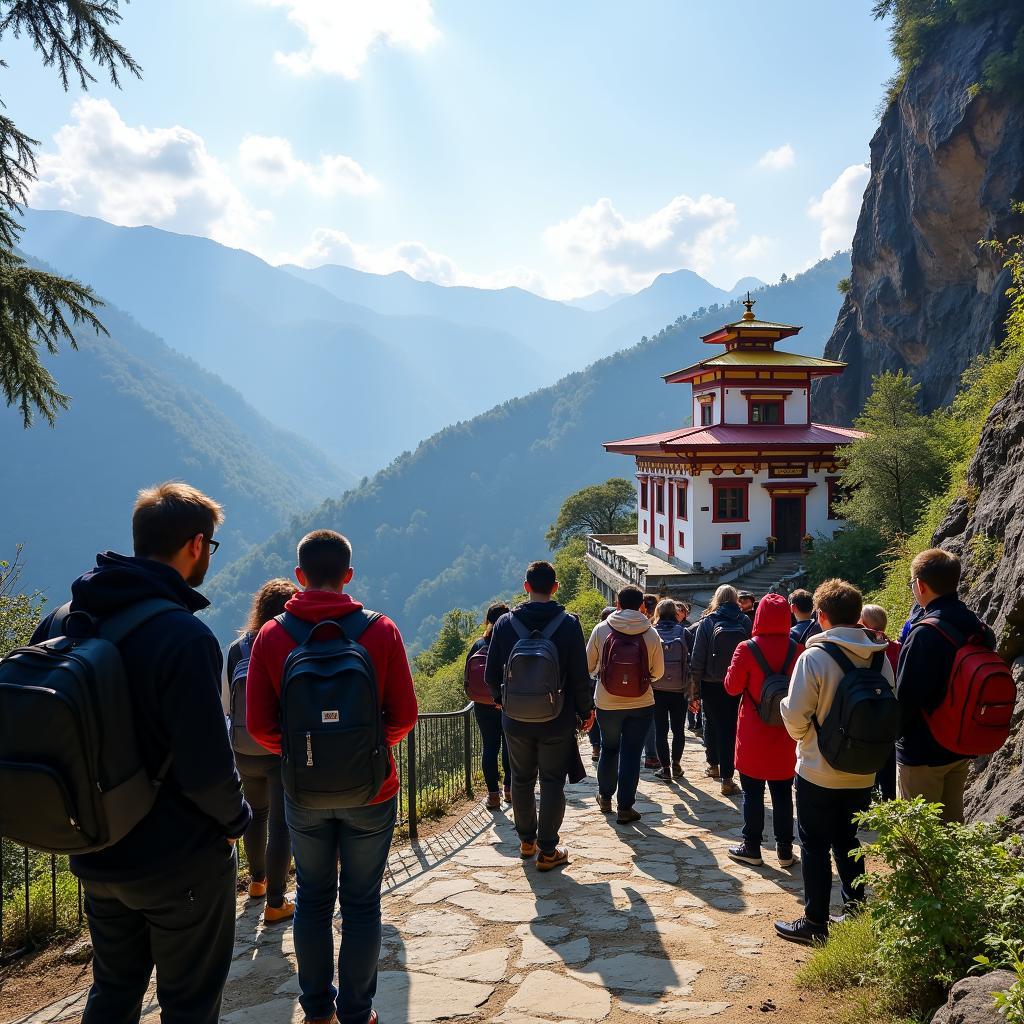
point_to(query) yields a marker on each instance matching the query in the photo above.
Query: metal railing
(438, 766)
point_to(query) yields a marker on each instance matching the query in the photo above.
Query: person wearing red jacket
(340, 854)
(765, 754)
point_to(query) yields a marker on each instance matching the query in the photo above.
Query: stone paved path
(650, 922)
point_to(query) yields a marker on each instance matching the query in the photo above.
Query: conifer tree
(37, 309)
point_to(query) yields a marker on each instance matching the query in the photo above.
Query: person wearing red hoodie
(340, 854)
(765, 754)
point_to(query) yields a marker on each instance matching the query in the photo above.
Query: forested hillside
(141, 413)
(454, 522)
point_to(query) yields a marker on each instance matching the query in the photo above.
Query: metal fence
(438, 767)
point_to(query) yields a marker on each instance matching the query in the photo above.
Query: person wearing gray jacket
(827, 799)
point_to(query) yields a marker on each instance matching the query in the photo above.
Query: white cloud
(340, 33)
(754, 249)
(163, 176)
(778, 159)
(328, 245)
(838, 207)
(270, 161)
(608, 251)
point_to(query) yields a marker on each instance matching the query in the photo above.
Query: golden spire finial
(749, 303)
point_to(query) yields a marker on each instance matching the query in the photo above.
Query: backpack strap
(351, 626)
(355, 624)
(759, 657)
(953, 635)
(521, 631)
(552, 627)
(298, 629)
(839, 656)
(116, 628)
(791, 655)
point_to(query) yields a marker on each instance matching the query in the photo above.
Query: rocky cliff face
(946, 164)
(986, 529)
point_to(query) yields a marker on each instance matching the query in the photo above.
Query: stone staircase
(758, 581)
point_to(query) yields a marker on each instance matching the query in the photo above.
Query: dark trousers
(546, 758)
(886, 778)
(340, 857)
(488, 720)
(182, 923)
(720, 714)
(268, 847)
(825, 822)
(670, 710)
(622, 745)
(595, 729)
(753, 811)
(651, 742)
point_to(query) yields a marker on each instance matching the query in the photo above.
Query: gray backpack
(241, 740)
(532, 688)
(676, 664)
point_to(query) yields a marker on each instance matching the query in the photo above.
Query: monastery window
(766, 412)
(707, 414)
(661, 532)
(659, 499)
(682, 539)
(730, 505)
(643, 494)
(681, 510)
(731, 542)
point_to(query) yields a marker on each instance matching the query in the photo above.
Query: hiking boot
(803, 931)
(729, 788)
(257, 890)
(651, 762)
(527, 850)
(664, 774)
(493, 801)
(677, 770)
(605, 803)
(547, 861)
(712, 771)
(626, 815)
(785, 855)
(508, 798)
(744, 854)
(275, 915)
(697, 731)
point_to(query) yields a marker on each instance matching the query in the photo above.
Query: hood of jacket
(772, 617)
(627, 621)
(317, 605)
(670, 630)
(852, 639)
(121, 580)
(730, 611)
(537, 614)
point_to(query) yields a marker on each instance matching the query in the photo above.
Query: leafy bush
(588, 606)
(943, 889)
(571, 569)
(1008, 954)
(854, 554)
(847, 960)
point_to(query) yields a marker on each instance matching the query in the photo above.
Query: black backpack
(726, 636)
(72, 778)
(864, 721)
(333, 750)
(532, 687)
(241, 739)
(775, 685)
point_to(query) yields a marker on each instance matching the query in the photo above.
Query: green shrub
(1008, 954)
(588, 606)
(854, 554)
(848, 960)
(941, 891)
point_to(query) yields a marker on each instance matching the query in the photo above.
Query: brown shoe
(626, 815)
(712, 771)
(257, 890)
(605, 803)
(527, 850)
(555, 859)
(493, 801)
(508, 800)
(275, 915)
(729, 788)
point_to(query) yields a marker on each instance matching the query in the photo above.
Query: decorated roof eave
(690, 373)
(708, 450)
(755, 330)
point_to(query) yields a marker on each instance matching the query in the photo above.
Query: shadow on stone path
(649, 922)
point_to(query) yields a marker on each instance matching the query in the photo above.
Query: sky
(563, 147)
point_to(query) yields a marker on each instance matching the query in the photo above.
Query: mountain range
(456, 521)
(363, 365)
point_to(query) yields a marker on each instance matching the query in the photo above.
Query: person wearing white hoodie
(827, 799)
(624, 720)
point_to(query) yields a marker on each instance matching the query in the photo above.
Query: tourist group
(113, 746)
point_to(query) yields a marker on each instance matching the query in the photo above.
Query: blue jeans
(753, 811)
(651, 742)
(340, 856)
(622, 745)
(492, 736)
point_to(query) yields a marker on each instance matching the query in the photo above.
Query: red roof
(816, 435)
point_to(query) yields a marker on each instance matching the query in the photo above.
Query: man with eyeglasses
(164, 896)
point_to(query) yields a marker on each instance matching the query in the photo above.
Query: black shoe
(595, 754)
(626, 815)
(850, 910)
(664, 774)
(744, 854)
(677, 770)
(785, 855)
(803, 931)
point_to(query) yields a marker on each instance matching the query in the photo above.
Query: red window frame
(661, 532)
(643, 494)
(742, 484)
(732, 542)
(707, 414)
(682, 506)
(659, 497)
(778, 403)
(682, 540)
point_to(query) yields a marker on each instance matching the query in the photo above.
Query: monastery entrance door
(789, 522)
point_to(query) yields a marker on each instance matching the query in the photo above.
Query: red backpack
(974, 716)
(625, 668)
(474, 684)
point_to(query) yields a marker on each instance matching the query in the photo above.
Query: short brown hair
(166, 517)
(840, 601)
(630, 598)
(938, 570)
(802, 601)
(268, 602)
(541, 577)
(324, 556)
(666, 610)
